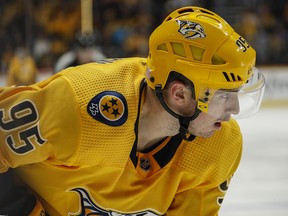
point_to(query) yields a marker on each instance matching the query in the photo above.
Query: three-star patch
(108, 107)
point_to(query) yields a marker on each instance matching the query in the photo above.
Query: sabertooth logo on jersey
(109, 107)
(191, 30)
(88, 207)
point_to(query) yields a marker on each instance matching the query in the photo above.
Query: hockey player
(84, 51)
(22, 69)
(133, 136)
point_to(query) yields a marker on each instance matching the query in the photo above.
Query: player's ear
(181, 98)
(179, 93)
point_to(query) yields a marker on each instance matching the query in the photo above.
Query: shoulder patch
(108, 107)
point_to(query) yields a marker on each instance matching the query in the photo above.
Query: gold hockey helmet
(203, 47)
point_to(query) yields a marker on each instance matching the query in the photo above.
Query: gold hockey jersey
(72, 140)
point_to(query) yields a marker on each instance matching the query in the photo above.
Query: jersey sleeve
(31, 119)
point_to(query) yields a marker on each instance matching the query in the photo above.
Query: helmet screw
(152, 79)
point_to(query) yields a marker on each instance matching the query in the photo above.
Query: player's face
(221, 107)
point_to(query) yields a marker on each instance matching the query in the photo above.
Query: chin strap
(183, 129)
(183, 121)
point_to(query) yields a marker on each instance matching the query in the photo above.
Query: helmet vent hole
(217, 60)
(226, 76)
(197, 52)
(185, 10)
(233, 76)
(162, 47)
(167, 19)
(206, 12)
(230, 77)
(178, 49)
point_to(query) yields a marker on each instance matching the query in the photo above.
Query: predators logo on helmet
(190, 30)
